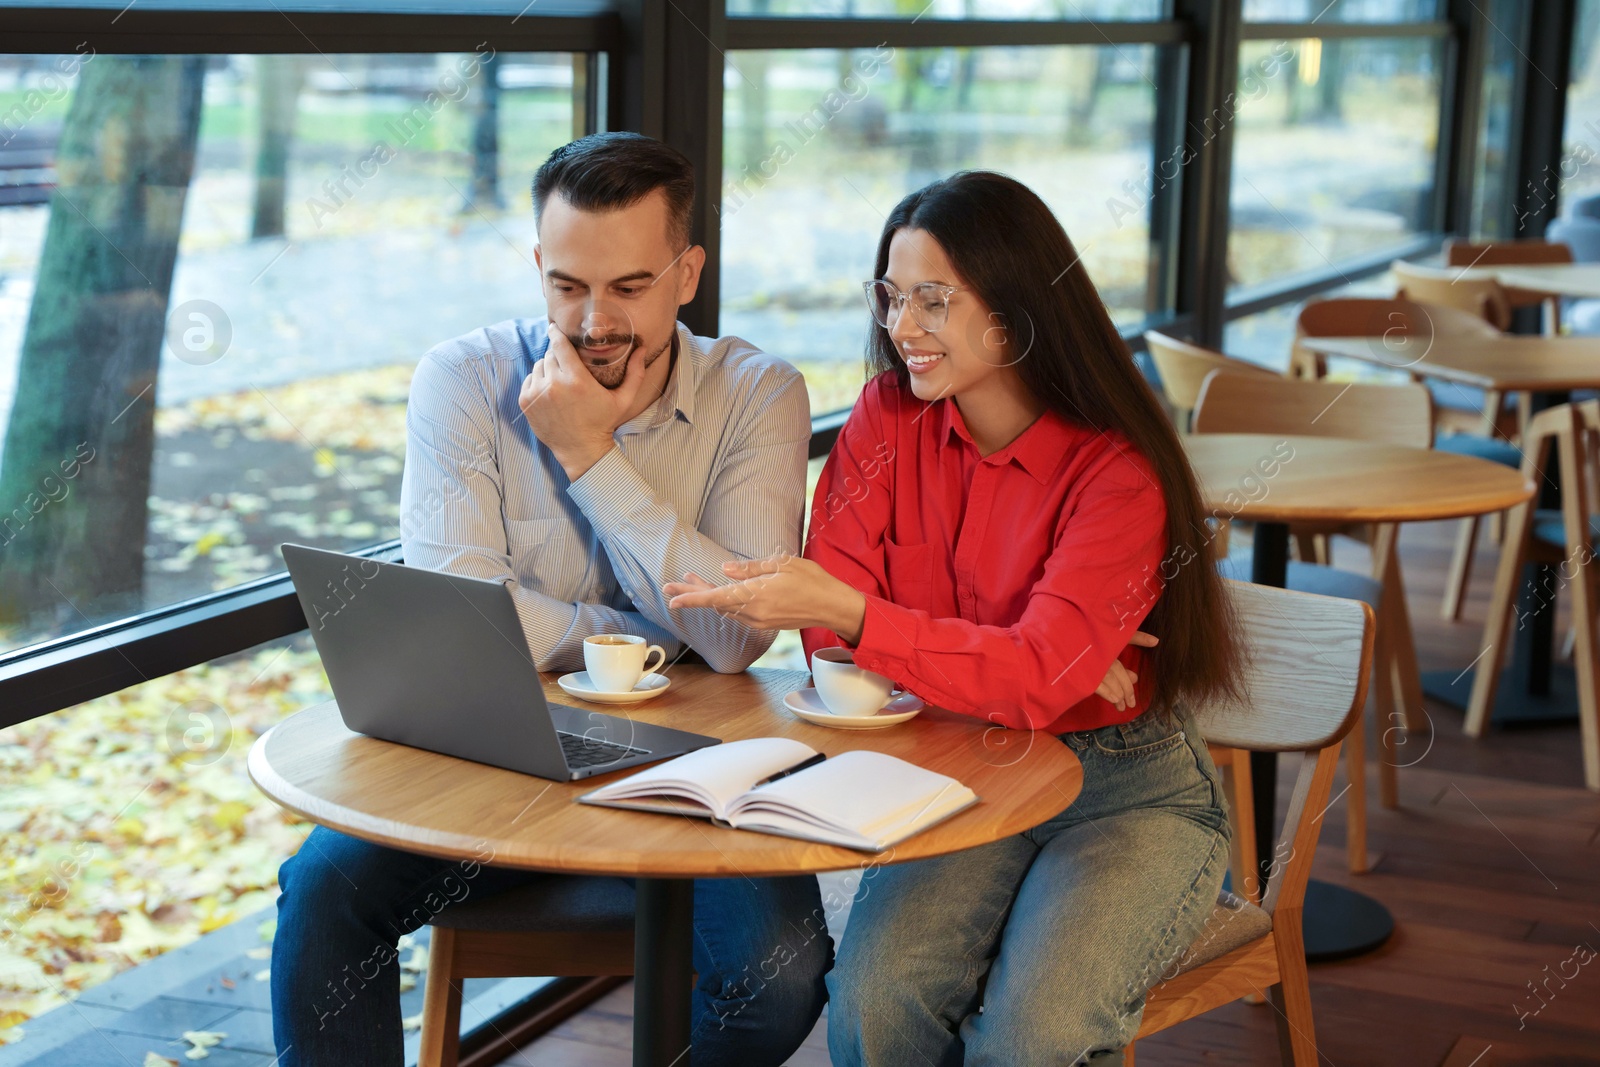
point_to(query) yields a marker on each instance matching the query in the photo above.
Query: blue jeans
(1038, 949)
(761, 948)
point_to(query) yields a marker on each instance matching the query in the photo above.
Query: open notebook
(864, 800)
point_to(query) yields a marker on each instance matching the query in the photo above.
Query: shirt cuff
(888, 638)
(611, 491)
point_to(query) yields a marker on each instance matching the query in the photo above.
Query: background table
(1510, 363)
(1580, 280)
(1549, 368)
(442, 806)
(1329, 479)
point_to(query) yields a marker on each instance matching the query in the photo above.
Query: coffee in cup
(617, 662)
(846, 689)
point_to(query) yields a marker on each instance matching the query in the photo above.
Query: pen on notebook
(802, 765)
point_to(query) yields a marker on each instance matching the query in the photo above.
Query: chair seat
(1233, 922)
(1549, 526)
(1492, 449)
(1312, 578)
(554, 903)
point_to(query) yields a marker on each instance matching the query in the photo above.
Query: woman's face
(968, 349)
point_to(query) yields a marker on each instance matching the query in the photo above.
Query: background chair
(1303, 693)
(1399, 414)
(1466, 421)
(1183, 368)
(1460, 254)
(1566, 537)
(562, 925)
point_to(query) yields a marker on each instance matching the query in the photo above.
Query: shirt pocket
(909, 569)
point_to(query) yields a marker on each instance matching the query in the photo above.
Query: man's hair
(608, 171)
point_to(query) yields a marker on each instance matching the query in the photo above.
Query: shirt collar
(1038, 450)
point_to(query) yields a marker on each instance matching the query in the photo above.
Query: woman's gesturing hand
(783, 592)
(1117, 686)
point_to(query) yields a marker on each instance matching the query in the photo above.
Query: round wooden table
(442, 806)
(1274, 480)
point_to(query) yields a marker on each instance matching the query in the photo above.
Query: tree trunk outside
(75, 472)
(278, 79)
(485, 188)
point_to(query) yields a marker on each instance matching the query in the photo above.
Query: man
(584, 462)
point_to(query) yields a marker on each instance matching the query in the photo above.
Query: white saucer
(808, 705)
(580, 686)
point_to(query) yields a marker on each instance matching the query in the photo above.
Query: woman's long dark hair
(1009, 248)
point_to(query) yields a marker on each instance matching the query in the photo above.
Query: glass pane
(1490, 185)
(820, 145)
(1066, 10)
(1334, 152)
(216, 276)
(1340, 10)
(131, 826)
(1580, 165)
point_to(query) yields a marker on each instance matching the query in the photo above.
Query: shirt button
(966, 594)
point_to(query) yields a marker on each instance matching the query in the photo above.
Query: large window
(1335, 155)
(319, 222)
(820, 145)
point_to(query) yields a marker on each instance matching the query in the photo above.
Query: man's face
(613, 281)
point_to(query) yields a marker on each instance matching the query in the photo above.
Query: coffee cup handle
(648, 669)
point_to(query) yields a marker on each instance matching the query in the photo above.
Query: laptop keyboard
(584, 751)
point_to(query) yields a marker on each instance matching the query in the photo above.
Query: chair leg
(1355, 768)
(1297, 1036)
(1237, 784)
(1455, 586)
(1394, 615)
(1128, 1055)
(1497, 631)
(441, 1004)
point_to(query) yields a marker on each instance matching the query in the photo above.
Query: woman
(1005, 508)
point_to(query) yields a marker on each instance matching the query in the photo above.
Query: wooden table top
(1277, 478)
(442, 806)
(1510, 363)
(1557, 279)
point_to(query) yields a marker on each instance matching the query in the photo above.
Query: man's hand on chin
(574, 415)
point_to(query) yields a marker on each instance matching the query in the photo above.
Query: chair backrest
(1458, 253)
(1306, 678)
(1360, 316)
(1304, 688)
(1574, 431)
(1392, 413)
(1183, 367)
(1484, 297)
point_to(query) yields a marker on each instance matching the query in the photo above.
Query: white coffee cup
(846, 689)
(616, 662)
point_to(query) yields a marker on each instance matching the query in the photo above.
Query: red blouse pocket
(910, 574)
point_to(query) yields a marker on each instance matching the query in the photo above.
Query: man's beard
(611, 374)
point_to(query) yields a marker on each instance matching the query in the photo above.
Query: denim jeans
(1038, 948)
(761, 948)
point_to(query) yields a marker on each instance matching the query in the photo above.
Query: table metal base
(663, 971)
(1513, 704)
(1339, 923)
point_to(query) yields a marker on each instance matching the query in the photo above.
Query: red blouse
(998, 586)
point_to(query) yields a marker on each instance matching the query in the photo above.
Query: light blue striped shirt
(714, 470)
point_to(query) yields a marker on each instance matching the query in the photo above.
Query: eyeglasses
(930, 303)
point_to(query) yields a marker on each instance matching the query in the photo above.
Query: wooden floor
(1491, 867)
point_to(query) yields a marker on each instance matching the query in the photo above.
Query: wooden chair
(1459, 253)
(563, 925)
(1400, 414)
(1566, 538)
(1446, 287)
(1304, 692)
(1184, 366)
(1465, 429)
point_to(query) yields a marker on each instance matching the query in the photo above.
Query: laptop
(439, 661)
